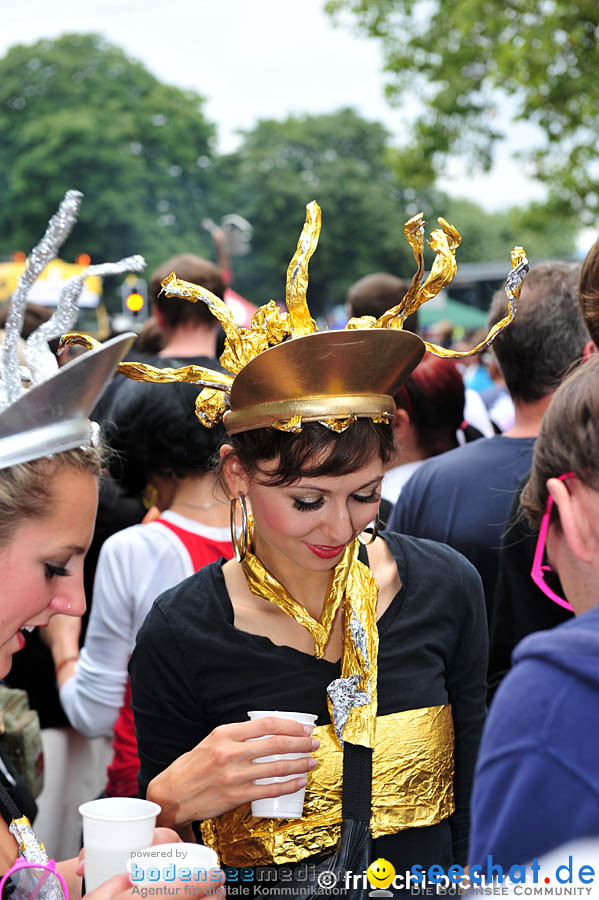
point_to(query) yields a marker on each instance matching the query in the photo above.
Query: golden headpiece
(285, 373)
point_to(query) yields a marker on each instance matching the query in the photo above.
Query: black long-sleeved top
(192, 670)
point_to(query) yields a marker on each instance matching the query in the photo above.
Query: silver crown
(52, 414)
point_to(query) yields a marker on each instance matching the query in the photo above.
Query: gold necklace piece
(353, 697)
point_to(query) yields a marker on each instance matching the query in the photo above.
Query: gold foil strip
(142, 372)
(359, 656)
(412, 787)
(210, 407)
(444, 241)
(414, 234)
(186, 374)
(237, 354)
(338, 425)
(360, 322)
(513, 287)
(272, 321)
(301, 321)
(292, 425)
(78, 338)
(263, 584)
(383, 418)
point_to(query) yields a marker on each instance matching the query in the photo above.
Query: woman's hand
(119, 888)
(62, 633)
(161, 836)
(218, 774)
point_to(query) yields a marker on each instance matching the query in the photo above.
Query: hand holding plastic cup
(167, 862)
(112, 829)
(289, 806)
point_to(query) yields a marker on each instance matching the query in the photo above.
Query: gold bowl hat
(285, 373)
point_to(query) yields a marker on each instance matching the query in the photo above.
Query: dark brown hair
(588, 292)
(313, 451)
(547, 336)
(374, 294)
(192, 268)
(568, 439)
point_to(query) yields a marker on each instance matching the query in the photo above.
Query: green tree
(340, 160)
(465, 58)
(489, 236)
(77, 112)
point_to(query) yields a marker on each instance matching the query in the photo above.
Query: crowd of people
(324, 522)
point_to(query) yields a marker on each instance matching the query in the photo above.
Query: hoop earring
(375, 531)
(240, 546)
(150, 495)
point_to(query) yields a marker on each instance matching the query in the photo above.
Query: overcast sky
(255, 59)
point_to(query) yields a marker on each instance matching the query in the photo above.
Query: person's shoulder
(551, 690)
(428, 559)
(176, 362)
(451, 462)
(571, 649)
(196, 597)
(191, 609)
(418, 549)
(149, 543)
(203, 585)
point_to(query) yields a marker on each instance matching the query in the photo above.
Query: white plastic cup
(166, 862)
(289, 806)
(112, 828)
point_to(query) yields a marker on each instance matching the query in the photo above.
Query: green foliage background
(77, 112)
(467, 59)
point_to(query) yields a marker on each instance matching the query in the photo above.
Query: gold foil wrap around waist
(412, 787)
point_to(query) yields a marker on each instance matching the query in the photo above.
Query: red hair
(433, 396)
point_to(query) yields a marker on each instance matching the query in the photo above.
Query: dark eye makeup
(370, 498)
(304, 506)
(52, 570)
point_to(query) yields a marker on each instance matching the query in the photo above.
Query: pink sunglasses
(33, 881)
(538, 570)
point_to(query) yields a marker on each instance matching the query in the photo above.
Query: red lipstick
(21, 640)
(326, 552)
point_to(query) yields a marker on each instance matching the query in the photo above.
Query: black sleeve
(519, 607)
(466, 686)
(167, 706)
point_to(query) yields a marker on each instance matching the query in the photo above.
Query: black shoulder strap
(363, 554)
(357, 765)
(8, 807)
(357, 782)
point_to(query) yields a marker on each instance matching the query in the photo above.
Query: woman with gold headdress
(384, 641)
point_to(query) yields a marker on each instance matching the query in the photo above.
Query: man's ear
(235, 476)
(576, 526)
(588, 349)
(159, 316)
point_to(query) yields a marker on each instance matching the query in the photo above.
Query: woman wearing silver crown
(49, 465)
(384, 641)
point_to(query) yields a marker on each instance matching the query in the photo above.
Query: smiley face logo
(380, 874)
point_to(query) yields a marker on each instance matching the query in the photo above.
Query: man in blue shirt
(463, 497)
